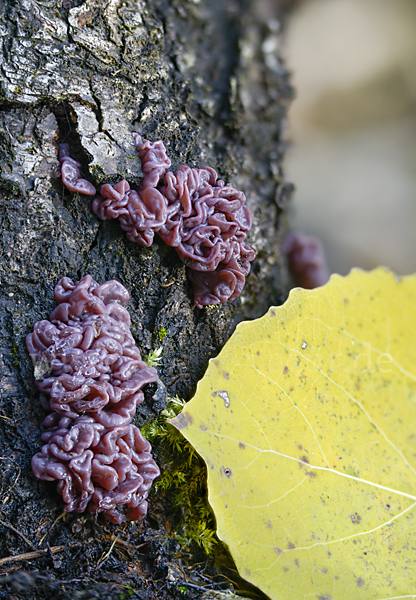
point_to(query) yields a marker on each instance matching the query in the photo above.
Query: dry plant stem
(51, 527)
(124, 544)
(40, 553)
(56, 549)
(106, 555)
(24, 538)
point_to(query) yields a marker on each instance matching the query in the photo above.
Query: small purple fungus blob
(71, 173)
(90, 373)
(307, 260)
(191, 210)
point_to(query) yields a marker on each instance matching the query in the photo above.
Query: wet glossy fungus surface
(90, 374)
(191, 210)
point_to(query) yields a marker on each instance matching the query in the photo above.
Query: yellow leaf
(306, 421)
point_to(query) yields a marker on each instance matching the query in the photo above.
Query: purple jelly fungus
(71, 173)
(307, 260)
(192, 211)
(90, 374)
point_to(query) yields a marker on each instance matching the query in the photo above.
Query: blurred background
(353, 130)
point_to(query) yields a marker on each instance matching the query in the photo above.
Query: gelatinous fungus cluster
(192, 211)
(307, 260)
(71, 173)
(90, 374)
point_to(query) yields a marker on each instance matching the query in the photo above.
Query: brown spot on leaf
(226, 374)
(241, 445)
(291, 546)
(324, 571)
(203, 427)
(269, 525)
(183, 420)
(286, 370)
(356, 518)
(305, 459)
(227, 472)
(277, 551)
(272, 312)
(360, 582)
(216, 362)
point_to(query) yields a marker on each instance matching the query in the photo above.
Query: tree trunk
(206, 77)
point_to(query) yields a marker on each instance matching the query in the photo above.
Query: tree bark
(206, 77)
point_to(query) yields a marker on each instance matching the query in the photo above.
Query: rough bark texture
(206, 78)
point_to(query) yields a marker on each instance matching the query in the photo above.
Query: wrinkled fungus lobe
(192, 211)
(71, 173)
(307, 260)
(90, 373)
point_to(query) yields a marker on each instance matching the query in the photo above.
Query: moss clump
(183, 481)
(154, 357)
(15, 355)
(162, 334)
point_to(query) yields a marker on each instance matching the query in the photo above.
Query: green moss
(183, 481)
(162, 334)
(154, 358)
(15, 355)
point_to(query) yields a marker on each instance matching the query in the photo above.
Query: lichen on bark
(205, 77)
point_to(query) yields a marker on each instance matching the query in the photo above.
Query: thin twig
(119, 542)
(10, 569)
(105, 556)
(38, 553)
(9, 489)
(194, 586)
(24, 538)
(51, 527)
